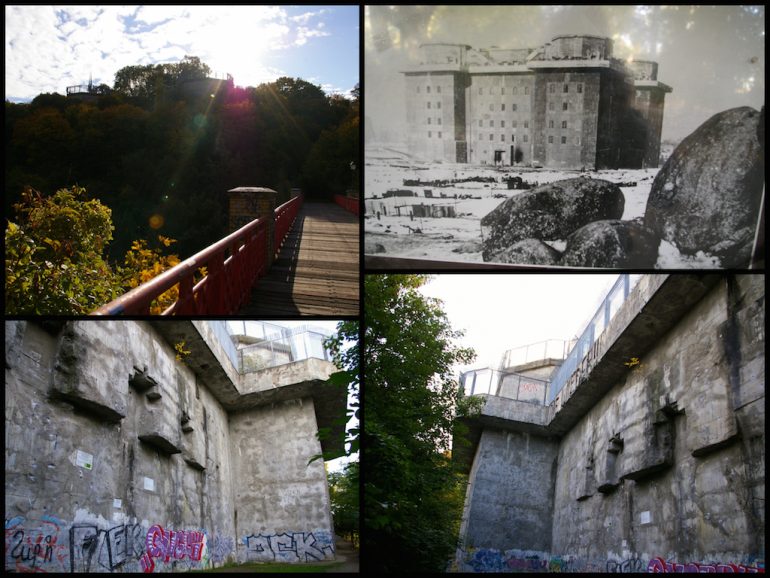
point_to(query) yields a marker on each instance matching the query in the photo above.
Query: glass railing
(301, 343)
(222, 333)
(256, 345)
(549, 349)
(504, 384)
(515, 386)
(599, 322)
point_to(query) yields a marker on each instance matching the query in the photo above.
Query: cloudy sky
(48, 48)
(712, 56)
(503, 311)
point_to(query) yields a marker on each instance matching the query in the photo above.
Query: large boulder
(706, 196)
(550, 212)
(613, 243)
(527, 252)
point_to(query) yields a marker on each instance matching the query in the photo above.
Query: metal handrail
(285, 216)
(348, 203)
(233, 265)
(246, 262)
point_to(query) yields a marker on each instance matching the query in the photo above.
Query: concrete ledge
(236, 392)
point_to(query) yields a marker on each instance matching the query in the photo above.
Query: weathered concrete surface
(663, 459)
(511, 496)
(276, 490)
(688, 482)
(116, 451)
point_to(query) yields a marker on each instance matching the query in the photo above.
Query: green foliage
(53, 257)
(160, 146)
(344, 489)
(344, 346)
(413, 495)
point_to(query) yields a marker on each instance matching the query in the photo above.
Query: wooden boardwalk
(317, 270)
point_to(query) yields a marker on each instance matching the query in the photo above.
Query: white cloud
(305, 17)
(304, 33)
(49, 47)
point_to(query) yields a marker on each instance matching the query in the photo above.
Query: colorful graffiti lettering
(295, 547)
(170, 544)
(659, 565)
(33, 550)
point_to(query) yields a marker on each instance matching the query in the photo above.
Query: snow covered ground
(459, 238)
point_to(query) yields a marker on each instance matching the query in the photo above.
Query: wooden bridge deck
(317, 270)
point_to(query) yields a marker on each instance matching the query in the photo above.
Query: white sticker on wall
(116, 503)
(84, 460)
(645, 517)
(149, 484)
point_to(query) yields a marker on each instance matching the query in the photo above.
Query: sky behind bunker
(712, 56)
(499, 312)
(48, 48)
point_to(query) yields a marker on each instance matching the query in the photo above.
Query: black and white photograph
(564, 136)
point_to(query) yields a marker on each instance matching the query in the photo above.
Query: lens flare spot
(156, 221)
(199, 121)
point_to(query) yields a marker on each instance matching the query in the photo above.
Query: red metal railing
(347, 203)
(284, 219)
(233, 265)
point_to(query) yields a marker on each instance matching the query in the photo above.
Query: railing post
(249, 203)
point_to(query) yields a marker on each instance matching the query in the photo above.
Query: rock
(527, 252)
(551, 211)
(624, 244)
(471, 247)
(371, 248)
(707, 195)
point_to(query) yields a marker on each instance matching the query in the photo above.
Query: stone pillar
(248, 203)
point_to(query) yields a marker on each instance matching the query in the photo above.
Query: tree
(344, 347)
(412, 493)
(344, 492)
(53, 258)
(55, 262)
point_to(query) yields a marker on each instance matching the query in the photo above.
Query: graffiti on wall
(93, 549)
(294, 547)
(34, 549)
(51, 545)
(492, 560)
(628, 566)
(172, 544)
(658, 565)
(220, 548)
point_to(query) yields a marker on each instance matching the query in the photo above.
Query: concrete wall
(282, 503)
(121, 458)
(663, 470)
(512, 498)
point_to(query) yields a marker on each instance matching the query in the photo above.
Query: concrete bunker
(648, 456)
(121, 457)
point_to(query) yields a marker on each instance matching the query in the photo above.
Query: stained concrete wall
(512, 495)
(660, 466)
(282, 503)
(121, 458)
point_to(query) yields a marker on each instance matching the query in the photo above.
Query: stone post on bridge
(248, 203)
